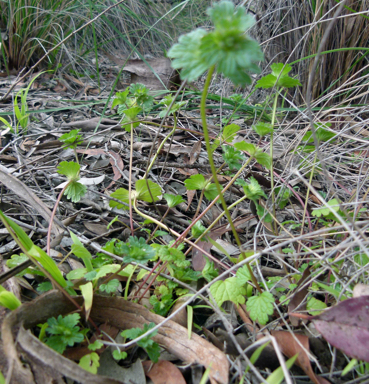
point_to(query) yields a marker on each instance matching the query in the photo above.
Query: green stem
(160, 147)
(271, 156)
(130, 182)
(214, 171)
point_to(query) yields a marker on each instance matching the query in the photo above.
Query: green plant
(22, 113)
(63, 332)
(32, 28)
(35, 253)
(152, 348)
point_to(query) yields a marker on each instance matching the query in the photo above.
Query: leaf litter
(343, 325)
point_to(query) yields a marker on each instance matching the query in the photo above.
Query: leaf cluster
(227, 46)
(63, 332)
(152, 348)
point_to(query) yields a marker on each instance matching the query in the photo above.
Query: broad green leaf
(263, 159)
(120, 98)
(229, 132)
(120, 194)
(135, 250)
(322, 134)
(209, 272)
(280, 69)
(248, 147)
(333, 204)
(70, 169)
(263, 129)
(119, 355)
(197, 230)
(130, 118)
(211, 191)
(76, 274)
(260, 307)
(288, 82)
(315, 306)
(173, 200)
(148, 191)
(64, 331)
(268, 81)
(97, 344)
(279, 77)
(44, 287)
(110, 287)
(225, 17)
(195, 182)
(75, 191)
(263, 213)
(228, 290)
(106, 270)
(243, 275)
(252, 188)
(90, 362)
(71, 139)
(187, 55)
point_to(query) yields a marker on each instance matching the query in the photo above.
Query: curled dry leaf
(291, 344)
(346, 326)
(163, 372)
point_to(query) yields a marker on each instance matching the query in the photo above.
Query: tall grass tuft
(31, 27)
(292, 32)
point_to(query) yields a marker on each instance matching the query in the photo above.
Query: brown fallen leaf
(163, 372)
(290, 345)
(195, 152)
(156, 74)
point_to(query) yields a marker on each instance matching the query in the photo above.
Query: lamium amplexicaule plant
(226, 50)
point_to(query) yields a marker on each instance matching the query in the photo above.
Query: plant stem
(214, 171)
(130, 182)
(271, 156)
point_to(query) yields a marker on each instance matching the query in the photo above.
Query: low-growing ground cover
(245, 223)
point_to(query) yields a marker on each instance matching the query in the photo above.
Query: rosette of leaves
(135, 95)
(167, 101)
(135, 250)
(71, 139)
(63, 332)
(227, 47)
(177, 264)
(131, 102)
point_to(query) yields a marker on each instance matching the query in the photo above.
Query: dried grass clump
(291, 31)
